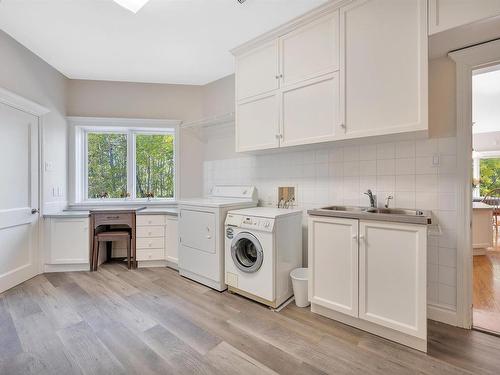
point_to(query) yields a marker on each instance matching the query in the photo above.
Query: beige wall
(151, 101)
(23, 73)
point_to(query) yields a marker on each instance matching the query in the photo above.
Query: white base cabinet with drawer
(67, 244)
(371, 275)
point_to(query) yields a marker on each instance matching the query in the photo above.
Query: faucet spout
(372, 197)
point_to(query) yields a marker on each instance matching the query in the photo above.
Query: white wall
(151, 101)
(23, 73)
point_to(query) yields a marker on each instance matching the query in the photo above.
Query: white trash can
(300, 277)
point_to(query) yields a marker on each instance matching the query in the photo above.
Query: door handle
(34, 211)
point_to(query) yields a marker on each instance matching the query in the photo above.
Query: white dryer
(201, 232)
(263, 245)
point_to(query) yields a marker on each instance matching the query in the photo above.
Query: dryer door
(247, 252)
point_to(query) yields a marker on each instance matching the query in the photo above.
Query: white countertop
(481, 206)
(69, 213)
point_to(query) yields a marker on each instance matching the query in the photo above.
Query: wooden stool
(106, 237)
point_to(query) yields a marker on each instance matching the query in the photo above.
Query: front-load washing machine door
(247, 252)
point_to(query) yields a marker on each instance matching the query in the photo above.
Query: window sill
(121, 203)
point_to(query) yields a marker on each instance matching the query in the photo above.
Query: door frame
(18, 102)
(467, 60)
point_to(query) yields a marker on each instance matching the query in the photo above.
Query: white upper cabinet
(384, 67)
(338, 72)
(310, 51)
(310, 111)
(257, 71)
(258, 123)
(447, 14)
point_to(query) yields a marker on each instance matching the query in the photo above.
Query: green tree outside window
(490, 175)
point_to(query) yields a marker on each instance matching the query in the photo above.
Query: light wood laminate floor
(486, 290)
(152, 321)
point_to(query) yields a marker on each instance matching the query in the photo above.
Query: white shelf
(224, 119)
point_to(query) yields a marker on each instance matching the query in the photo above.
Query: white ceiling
(167, 41)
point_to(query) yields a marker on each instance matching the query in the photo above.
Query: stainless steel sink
(395, 211)
(346, 208)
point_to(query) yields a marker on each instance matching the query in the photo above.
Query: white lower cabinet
(172, 242)
(334, 261)
(371, 275)
(66, 244)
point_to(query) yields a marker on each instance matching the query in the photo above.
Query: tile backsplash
(418, 173)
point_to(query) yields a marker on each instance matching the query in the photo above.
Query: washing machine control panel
(250, 222)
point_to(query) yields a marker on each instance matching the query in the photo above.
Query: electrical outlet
(435, 160)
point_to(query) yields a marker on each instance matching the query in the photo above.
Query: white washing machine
(201, 232)
(263, 245)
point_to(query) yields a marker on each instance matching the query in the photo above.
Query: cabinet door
(392, 276)
(333, 260)
(447, 14)
(311, 50)
(257, 123)
(383, 67)
(310, 111)
(257, 71)
(69, 241)
(172, 241)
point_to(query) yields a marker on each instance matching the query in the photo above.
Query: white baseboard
(151, 263)
(442, 314)
(66, 267)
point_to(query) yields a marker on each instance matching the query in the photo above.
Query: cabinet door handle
(355, 237)
(361, 237)
(277, 77)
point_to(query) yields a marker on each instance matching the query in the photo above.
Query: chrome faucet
(387, 200)
(373, 198)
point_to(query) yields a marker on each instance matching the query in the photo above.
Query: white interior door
(18, 196)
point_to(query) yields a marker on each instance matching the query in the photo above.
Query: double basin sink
(372, 213)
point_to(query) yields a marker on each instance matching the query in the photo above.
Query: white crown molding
(13, 100)
(120, 122)
(289, 26)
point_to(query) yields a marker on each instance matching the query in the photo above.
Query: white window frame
(80, 127)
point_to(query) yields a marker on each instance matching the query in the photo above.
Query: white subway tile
(426, 147)
(447, 146)
(432, 255)
(406, 183)
(405, 166)
(351, 153)
(447, 275)
(368, 152)
(447, 201)
(386, 167)
(447, 164)
(405, 149)
(322, 156)
(447, 295)
(367, 182)
(426, 183)
(386, 151)
(322, 170)
(426, 200)
(447, 183)
(404, 199)
(447, 257)
(368, 168)
(432, 273)
(386, 183)
(336, 155)
(336, 169)
(423, 165)
(351, 168)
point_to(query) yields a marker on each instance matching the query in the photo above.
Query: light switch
(435, 160)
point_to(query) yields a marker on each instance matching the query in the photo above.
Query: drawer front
(150, 243)
(110, 218)
(150, 254)
(150, 231)
(150, 220)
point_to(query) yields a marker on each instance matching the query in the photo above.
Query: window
(124, 162)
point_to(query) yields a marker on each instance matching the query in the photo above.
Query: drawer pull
(112, 217)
